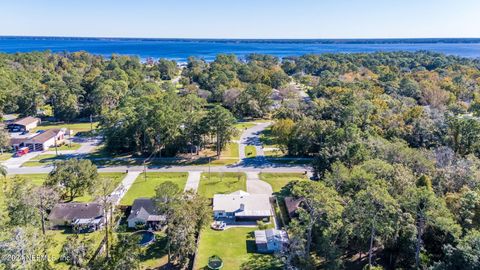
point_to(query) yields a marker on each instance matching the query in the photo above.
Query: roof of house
(145, 209)
(292, 205)
(72, 211)
(46, 135)
(26, 121)
(264, 236)
(243, 204)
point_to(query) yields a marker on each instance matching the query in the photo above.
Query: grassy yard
(43, 160)
(221, 183)
(250, 151)
(291, 161)
(280, 180)
(5, 156)
(230, 151)
(146, 188)
(115, 177)
(267, 139)
(60, 237)
(67, 146)
(235, 246)
(38, 179)
(155, 255)
(76, 127)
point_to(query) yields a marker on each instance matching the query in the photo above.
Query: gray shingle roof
(145, 208)
(71, 211)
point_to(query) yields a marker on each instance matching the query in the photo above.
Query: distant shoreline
(243, 40)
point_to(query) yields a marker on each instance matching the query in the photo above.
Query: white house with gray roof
(242, 206)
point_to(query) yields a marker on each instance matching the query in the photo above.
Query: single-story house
(40, 141)
(292, 205)
(24, 124)
(271, 240)
(80, 216)
(145, 213)
(242, 206)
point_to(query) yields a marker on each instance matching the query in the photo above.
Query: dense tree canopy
(394, 139)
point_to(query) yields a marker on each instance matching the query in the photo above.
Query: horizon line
(242, 39)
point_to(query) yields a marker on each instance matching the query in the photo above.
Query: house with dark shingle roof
(80, 215)
(144, 212)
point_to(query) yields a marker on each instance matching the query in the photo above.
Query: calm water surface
(180, 50)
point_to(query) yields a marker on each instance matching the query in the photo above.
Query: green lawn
(250, 151)
(221, 183)
(266, 138)
(76, 127)
(43, 160)
(291, 161)
(146, 188)
(279, 180)
(36, 179)
(5, 156)
(230, 151)
(235, 246)
(155, 255)
(67, 146)
(59, 238)
(115, 177)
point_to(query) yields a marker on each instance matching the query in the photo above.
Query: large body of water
(181, 49)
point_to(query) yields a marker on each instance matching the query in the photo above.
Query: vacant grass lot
(234, 246)
(146, 187)
(280, 180)
(221, 183)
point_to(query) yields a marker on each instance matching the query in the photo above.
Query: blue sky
(242, 18)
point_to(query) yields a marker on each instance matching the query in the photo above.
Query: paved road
(280, 168)
(193, 180)
(251, 136)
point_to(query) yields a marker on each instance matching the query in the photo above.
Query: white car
(219, 225)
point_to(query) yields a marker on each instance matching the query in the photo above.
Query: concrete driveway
(257, 186)
(16, 162)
